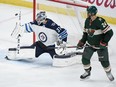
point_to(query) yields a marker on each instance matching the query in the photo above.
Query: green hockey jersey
(96, 31)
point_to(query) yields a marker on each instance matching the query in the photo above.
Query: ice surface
(40, 72)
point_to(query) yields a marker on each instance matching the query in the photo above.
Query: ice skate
(110, 76)
(87, 74)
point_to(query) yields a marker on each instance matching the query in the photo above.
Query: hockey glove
(61, 44)
(102, 45)
(80, 45)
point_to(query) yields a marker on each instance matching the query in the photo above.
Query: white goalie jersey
(48, 33)
(43, 34)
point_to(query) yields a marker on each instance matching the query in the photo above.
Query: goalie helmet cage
(72, 9)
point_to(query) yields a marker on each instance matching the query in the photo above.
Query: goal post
(34, 17)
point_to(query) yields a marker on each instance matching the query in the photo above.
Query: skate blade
(88, 77)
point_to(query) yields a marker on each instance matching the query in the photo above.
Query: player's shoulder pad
(87, 20)
(51, 22)
(100, 19)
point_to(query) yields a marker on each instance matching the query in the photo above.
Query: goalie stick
(68, 55)
(42, 45)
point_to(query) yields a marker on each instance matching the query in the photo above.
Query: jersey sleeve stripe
(28, 28)
(64, 32)
(63, 35)
(31, 30)
(106, 29)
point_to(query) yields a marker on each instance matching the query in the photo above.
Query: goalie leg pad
(11, 54)
(61, 62)
(23, 53)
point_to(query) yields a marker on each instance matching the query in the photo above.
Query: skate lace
(85, 74)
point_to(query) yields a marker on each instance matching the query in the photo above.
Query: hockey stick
(18, 24)
(48, 48)
(32, 47)
(18, 37)
(14, 29)
(67, 47)
(68, 55)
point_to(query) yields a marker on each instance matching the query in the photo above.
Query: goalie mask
(92, 10)
(40, 17)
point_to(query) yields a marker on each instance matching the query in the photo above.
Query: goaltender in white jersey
(47, 33)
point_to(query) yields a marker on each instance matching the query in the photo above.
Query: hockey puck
(16, 14)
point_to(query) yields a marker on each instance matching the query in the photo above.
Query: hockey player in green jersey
(97, 33)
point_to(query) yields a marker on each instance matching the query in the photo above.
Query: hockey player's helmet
(92, 10)
(40, 17)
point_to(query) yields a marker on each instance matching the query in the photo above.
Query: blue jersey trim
(28, 28)
(63, 34)
(31, 30)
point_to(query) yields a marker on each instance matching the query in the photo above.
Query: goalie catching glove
(80, 45)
